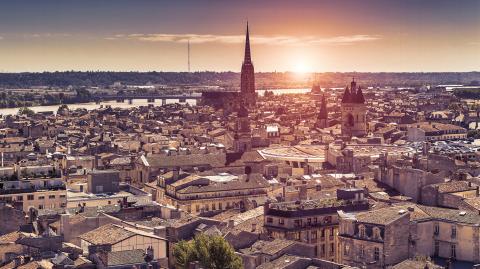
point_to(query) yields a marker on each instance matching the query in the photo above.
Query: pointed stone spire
(248, 57)
(323, 109)
(346, 95)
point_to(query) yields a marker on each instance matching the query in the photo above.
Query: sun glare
(301, 67)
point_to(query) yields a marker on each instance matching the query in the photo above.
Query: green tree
(26, 111)
(62, 108)
(212, 252)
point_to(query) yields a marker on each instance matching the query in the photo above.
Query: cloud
(236, 39)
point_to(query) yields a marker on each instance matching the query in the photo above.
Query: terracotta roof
(107, 235)
(125, 257)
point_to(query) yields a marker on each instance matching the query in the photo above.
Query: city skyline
(305, 36)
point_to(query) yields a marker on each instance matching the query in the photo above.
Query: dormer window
(376, 233)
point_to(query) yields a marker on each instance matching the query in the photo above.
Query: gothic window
(350, 120)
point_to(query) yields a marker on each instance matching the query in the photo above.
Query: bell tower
(354, 111)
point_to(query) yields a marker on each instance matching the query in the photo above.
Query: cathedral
(247, 82)
(354, 111)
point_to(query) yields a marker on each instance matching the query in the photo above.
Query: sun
(301, 67)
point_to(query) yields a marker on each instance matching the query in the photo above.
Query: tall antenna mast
(189, 56)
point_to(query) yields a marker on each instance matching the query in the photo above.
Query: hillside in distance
(268, 80)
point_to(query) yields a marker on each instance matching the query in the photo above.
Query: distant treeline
(263, 80)
(10, 100)
(473, 93)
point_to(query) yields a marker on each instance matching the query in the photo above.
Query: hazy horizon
(299, 36)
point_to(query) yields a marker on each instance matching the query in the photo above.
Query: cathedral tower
(247, 82)
(354, 111)
(322, 119)
(243, 134)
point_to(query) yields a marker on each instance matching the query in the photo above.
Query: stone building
(387, 236)
(354, 110)
(314, 222)
(374, 239)
(206, 195)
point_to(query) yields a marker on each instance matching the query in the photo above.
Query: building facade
(354, 110)
(314, 222)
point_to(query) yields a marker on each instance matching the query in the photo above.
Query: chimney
(231, 223)
(65, 226)
(302, 194)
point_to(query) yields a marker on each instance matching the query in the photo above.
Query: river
(135, 103)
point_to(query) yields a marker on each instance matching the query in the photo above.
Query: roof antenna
(188, 49)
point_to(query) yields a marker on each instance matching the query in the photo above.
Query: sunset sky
(118, 35)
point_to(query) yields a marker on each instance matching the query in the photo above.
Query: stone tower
(247, 82)
(354, 111)
(243, 135)
(322, 119)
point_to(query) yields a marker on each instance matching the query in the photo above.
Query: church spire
(323, 109)
(248, 57)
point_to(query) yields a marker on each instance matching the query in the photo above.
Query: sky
(300, 35)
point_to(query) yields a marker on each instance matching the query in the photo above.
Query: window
(376, 233)
(40, 207)
(269, 220)
(346, 250)
(332, 232)
(361, 229)
(332, 248)
(51, 197)
(297, 223)
(30, 197)
(314, 235)
(197, 208)
(436, 229)
(309, 221)
(297, 236)
(19, 198)
(41, 197)
(362, 251)
(454, 231)
(281, 221)
(453, 251)
(207, 208)
(322, 253)
(213, 207)
(63, 196)
(220, 206)
(322, 233)
(376, 254)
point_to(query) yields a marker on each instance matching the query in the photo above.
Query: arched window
(350, 120)
(361, 231)
(376, 233)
